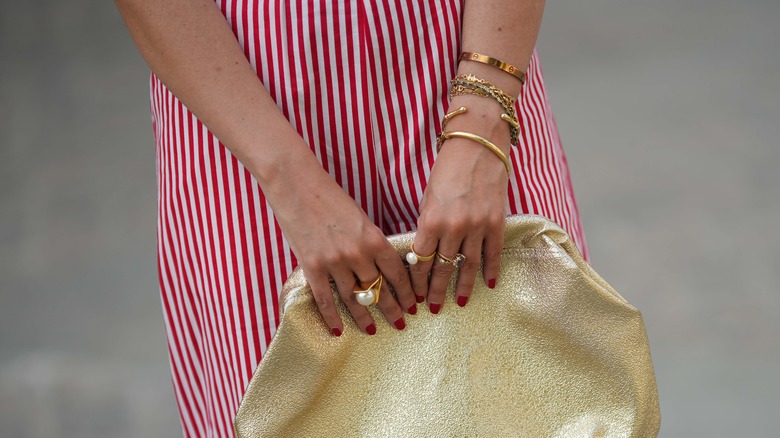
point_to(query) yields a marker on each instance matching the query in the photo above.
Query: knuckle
(362, 319)
(348, 298)
(465, 286)
(418, 269)
(458, 226)
(323, 302)
(342, 256)
(470, 265)
(313, 266)
(329, 259)
(351, 255)
(392, 314)
(493, 253)
(376, 242)
(400, 278)
(428, 223)
(441, 272)
(497, 220)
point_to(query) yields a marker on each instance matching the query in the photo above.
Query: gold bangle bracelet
(481, 140)
(484, 59)
(512, 123)
(452, 114)
(444, 121)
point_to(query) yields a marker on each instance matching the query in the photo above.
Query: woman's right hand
(192, 49)
(332, 237)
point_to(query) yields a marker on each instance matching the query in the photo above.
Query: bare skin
(463, 209)
(190, 47)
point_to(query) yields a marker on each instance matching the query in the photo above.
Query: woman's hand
(464, 205)
(332, 237)
(463, 209)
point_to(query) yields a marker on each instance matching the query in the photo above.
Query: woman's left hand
(463, 209)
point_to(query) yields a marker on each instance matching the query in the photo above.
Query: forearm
(502, 29)
(191, 48)
(505, 30)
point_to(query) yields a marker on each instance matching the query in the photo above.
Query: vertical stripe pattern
(365, 83)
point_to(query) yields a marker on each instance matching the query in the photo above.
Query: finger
(397, 276)
(323, 297)
(494, 245)
(390, 309)
(467, 273)
(346, 282)
(424, 245)
(441, 273)
(387, 303)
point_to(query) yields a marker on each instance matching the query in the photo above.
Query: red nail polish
(400, 324)
(462, 300)
(336, 331)
(413, 310)
(419, 298)
(371, 329)
(492, 283)
(435, 308)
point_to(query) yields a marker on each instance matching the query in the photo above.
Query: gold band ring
(412, 257)
(455, 261)
(368, 295)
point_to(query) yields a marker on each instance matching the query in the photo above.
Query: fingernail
(371, 329)
(400, 324)
(492, 283)
(336, 331)
(413, 310)
(462, 300)
(419, 298)
(435, 308)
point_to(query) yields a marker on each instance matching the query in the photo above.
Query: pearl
(411, 258)
(366, 298)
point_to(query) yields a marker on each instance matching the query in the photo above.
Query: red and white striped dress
(365, 83)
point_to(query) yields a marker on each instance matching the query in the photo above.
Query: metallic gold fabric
(552, 351)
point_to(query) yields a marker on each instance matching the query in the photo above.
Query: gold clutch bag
(552, 351)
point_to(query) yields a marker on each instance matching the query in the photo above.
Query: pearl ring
(412, 257)
(368, 295)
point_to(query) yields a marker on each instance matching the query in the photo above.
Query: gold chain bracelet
(471, 81)
(470, 84)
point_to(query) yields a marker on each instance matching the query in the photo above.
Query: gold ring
(368, 295)
(455, 261)
(412, 257)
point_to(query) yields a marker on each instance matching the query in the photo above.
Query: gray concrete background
(670, 115)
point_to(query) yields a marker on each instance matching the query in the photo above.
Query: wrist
(483, 117)
(282, 169)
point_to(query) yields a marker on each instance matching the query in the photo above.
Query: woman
(327, 115)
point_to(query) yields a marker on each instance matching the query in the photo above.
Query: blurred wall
(669, 113)
(82, 343)
(670, 116)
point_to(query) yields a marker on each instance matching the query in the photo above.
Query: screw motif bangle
(501, 65)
